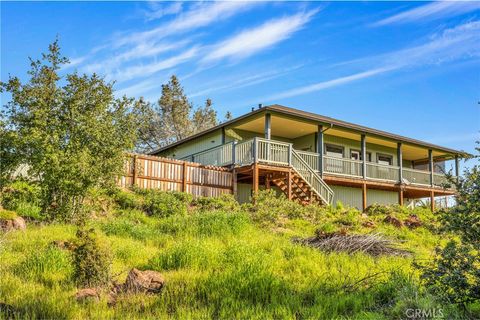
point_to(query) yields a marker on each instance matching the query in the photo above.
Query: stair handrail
(313, 175)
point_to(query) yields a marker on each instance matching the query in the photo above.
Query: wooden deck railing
(416, 176)
(344, 167)
(148, 172)
(280, 153)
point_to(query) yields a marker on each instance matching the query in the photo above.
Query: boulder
(87, 294)
(6, 225)
(392, 220)
(413, 221)
(147, 281)
(17, 223)
(369, 224)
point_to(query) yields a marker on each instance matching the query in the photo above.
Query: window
(333, 151)
(384, 159)
(357, 155)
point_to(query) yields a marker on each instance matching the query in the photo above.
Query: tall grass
(220, 264)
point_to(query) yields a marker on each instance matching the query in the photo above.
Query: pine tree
(172, 118)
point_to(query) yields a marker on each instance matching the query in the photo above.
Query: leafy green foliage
(164, 204)
(128, 199)
(70, 131)
(91, 260)
(7, 214)
(455, 272)
(455, 276)
(29, 210)
(223, 202)
(268, 207)
(173, 118)
(17, 192)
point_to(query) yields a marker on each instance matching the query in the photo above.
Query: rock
(144, 281)
(369, 224)
(19, 223)
(392, 220)
(87, 294)
(413, 221)
(6, 225)
(364, 215)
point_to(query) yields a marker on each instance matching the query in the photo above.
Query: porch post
(400, 162)
(432, 200)
(430, 165)
(364, 196)
(268, 125)
(319, 149)
(255, 178)
(364, 155)
(457, 167)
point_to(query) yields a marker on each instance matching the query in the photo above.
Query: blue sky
(407, 68)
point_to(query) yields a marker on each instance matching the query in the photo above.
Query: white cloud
(244, 81)
(74, 62)
(201, 15)
(256, 39)
(328, 84)
(144, 70)
(138, 89)
(431, 11)
(453, 44)
(161, 9)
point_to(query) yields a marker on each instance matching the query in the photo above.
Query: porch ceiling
(281, 127)
(292, 128)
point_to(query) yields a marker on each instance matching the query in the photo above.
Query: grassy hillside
(221, 260)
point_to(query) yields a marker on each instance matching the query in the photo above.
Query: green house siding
(244, 192)
(374, 149)
(211, 140)
(351, 197)
(305, 143)
(247, 135)
(381, 197)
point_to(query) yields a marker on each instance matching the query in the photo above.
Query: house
(310, 157)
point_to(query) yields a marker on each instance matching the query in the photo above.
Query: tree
(204, 118)
(173, 118)
(73, 136)
(455, 271)
(228, 116)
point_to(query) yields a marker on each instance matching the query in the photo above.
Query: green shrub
(164, 204)
(7, 214)
(91, 260)
(223, 202)
(29, 210)
(348, 217)
(19, 191)
(127, 199)
(455, 273)
(98, 200)
(327, 228)
(269, 207)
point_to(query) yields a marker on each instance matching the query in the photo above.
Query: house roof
(321, 120)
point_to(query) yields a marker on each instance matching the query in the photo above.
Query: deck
(275, 156)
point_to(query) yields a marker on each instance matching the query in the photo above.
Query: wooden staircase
(301, 191)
